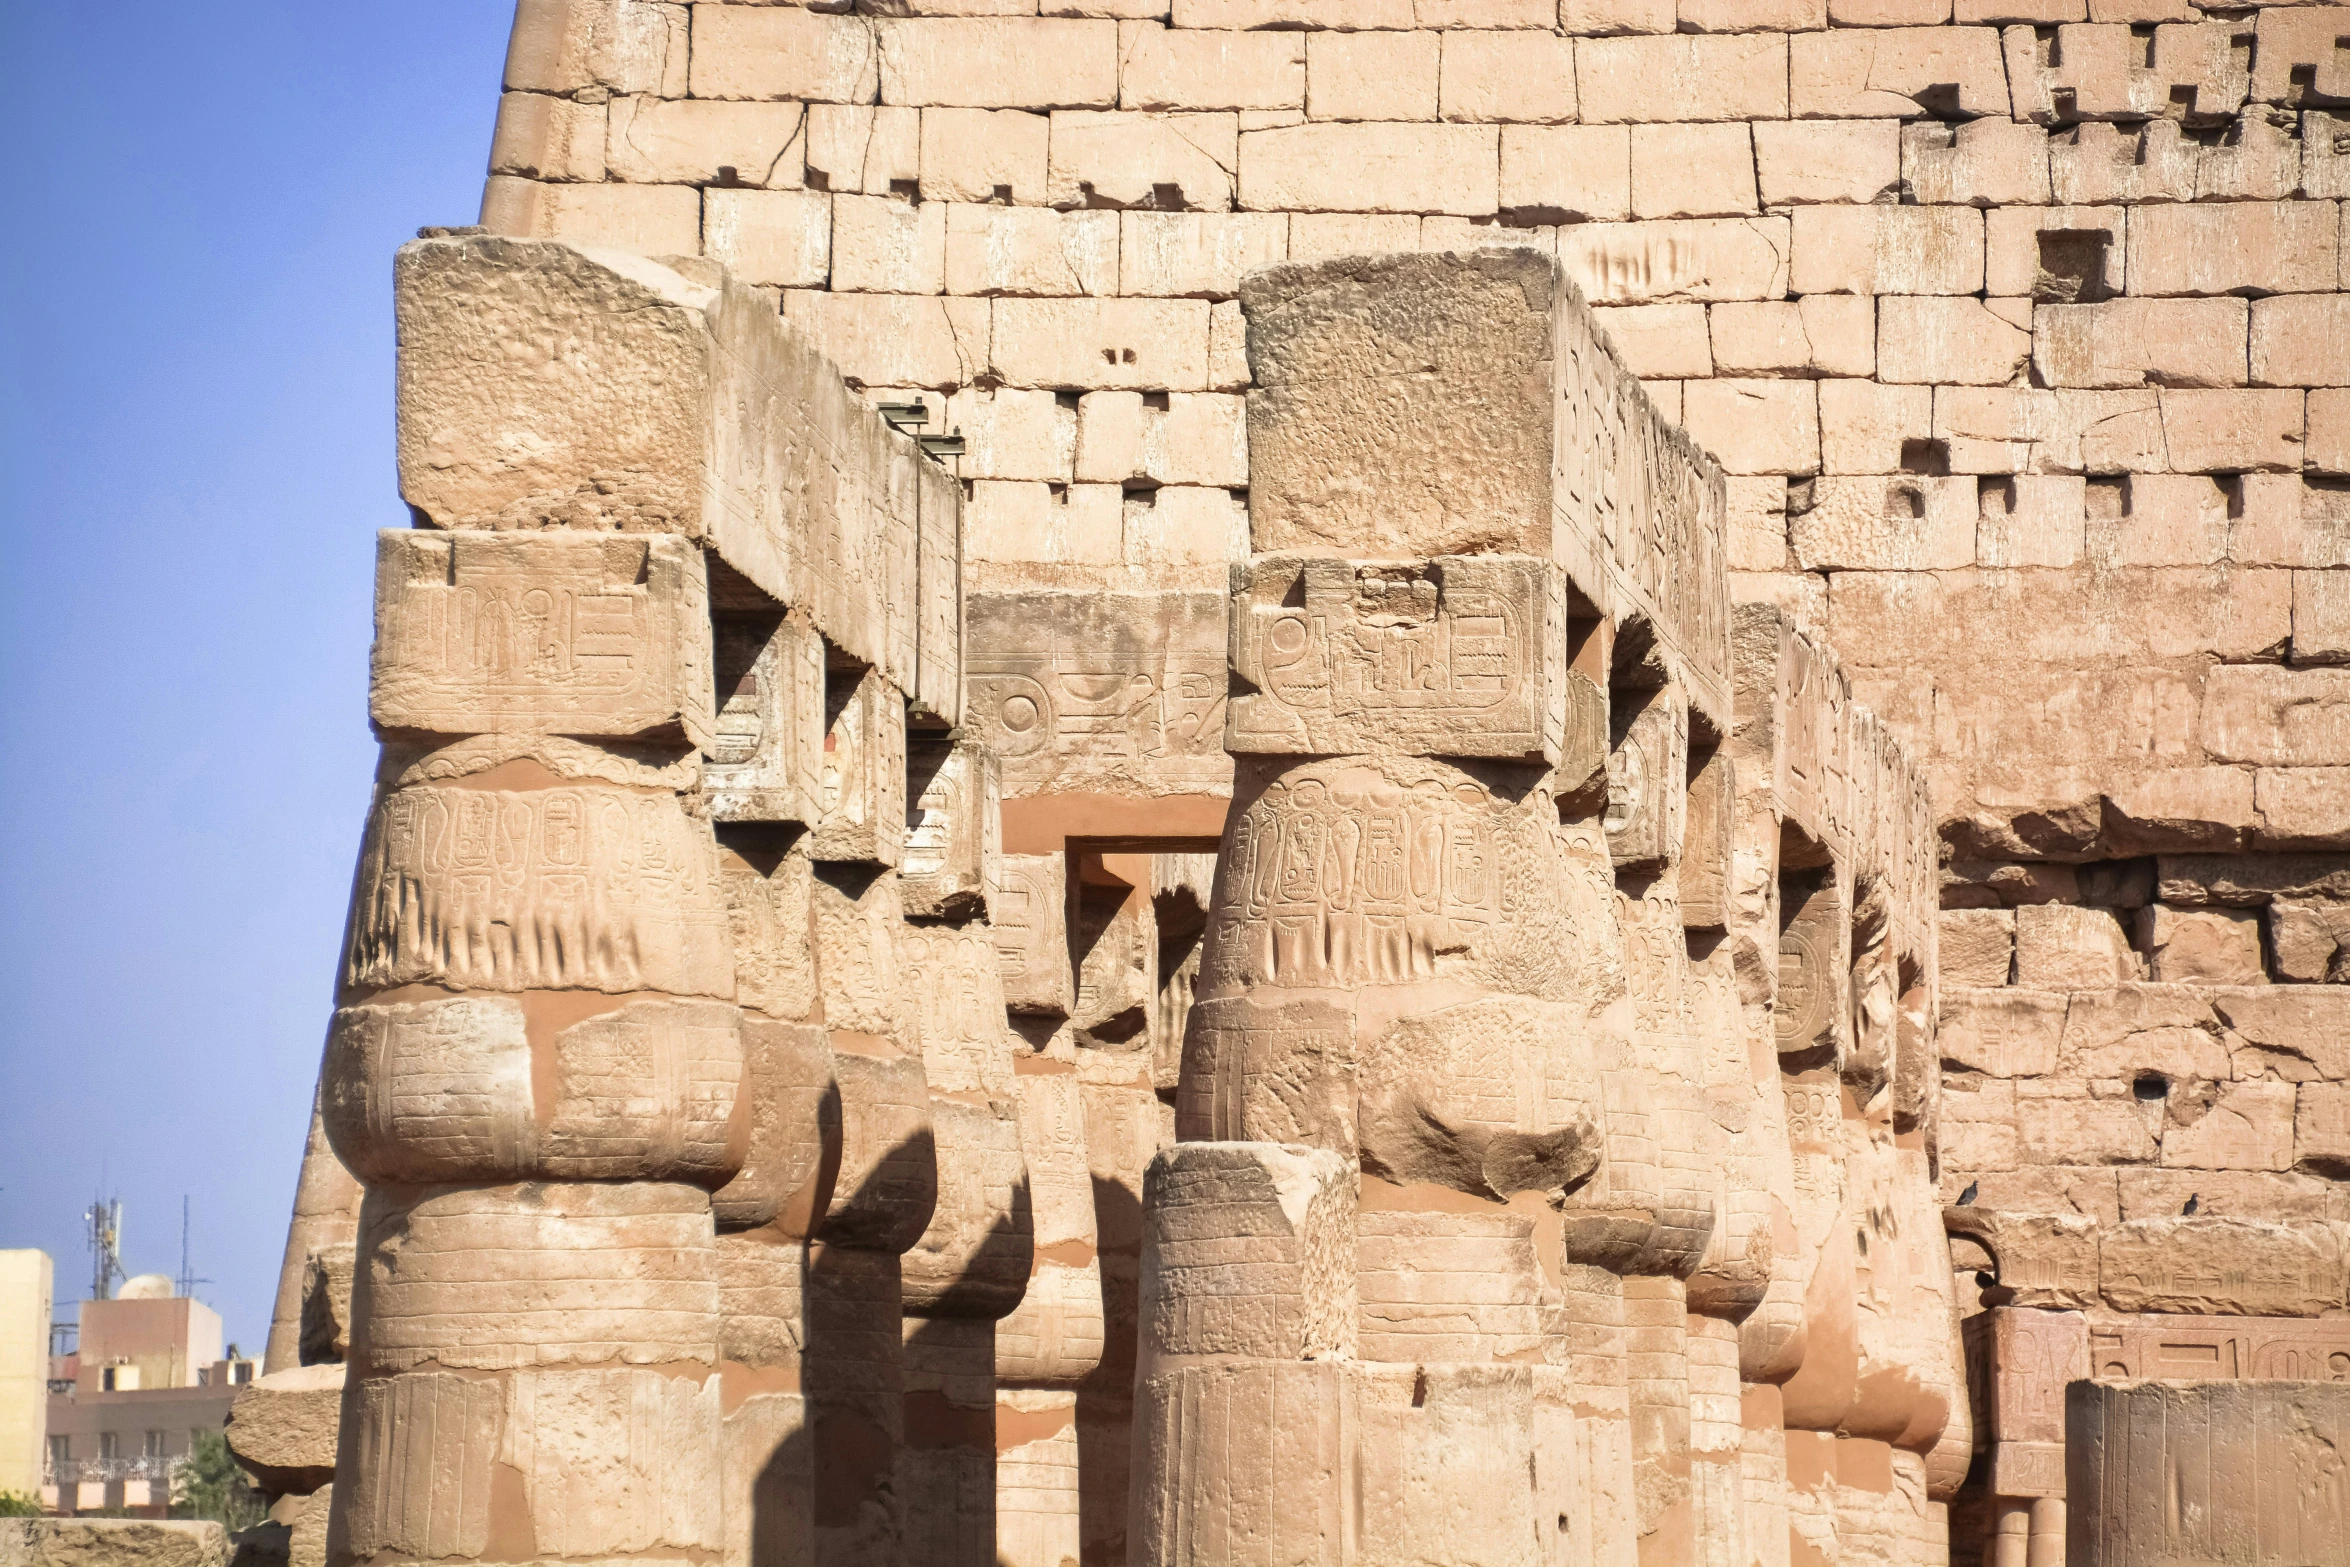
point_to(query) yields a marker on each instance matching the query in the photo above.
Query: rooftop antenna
(187, 1282)
(104, 1218)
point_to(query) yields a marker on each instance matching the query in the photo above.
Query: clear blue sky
(195, 449)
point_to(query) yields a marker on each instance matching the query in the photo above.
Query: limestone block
(1191, 161)
(1507, 76)
(1801, 161)
(2066, 947)
(1756, 426)
(678, 408)
(861, 799)
(1647, 793)
(1374, 76)
(2205, 946)
(787, 1083)
(1559, 174)
(1897, 523)
(2321, 617)
(1823, 334)
(2058, 255)
(2223, 1267)
(1864, 426)
(282, 1428)
(2048, 1261)
(2299, 340)
(1660, 341)
(2162, 1472)
(2124, 1347)
(2233, 247)
(1031, 935)
(1704, 77)
(663, 220)
(585, 1275)
(1028, 250)
(779, 238)
(1149, 344)
(1117, 693)
(762, 1299)
(1461, 657)
(1184, 68)
(2242, 1125)
(1947, 339)
(974, 1258)
(494, 631)
(1706, 869)
(1985, 163)
(1256, 1458)
(2296, 60)
(2136, 342)
(793, 54)
(1014, 433)
(954, 833)
(624, 45)
(1692, 171)
(325, 1217)
(885, 245)
(768, 902)
(544, 138)
(1197, 254)
(1372, 167)
(766, 756)
(1977, 947)
(1887, 250)
(956, 1002)
(2307, 940)
(1704, 258)
(693, 141)
(1896, 72)
(1180, 439)
(2321, 1128)
(2149, 162)
(981, 155)
(887, 1189)
(998, 62)
(1247, 1252)
(860, 147)
(2103, 70)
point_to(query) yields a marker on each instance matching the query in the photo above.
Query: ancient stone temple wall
(1030, 905)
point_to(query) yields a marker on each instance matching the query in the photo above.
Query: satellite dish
(146, 1286)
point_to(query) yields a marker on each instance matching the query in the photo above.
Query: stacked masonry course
(983, 1187)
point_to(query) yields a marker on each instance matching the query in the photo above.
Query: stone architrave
(953, 857)
(766, 757)
(561, 633)
(1461, 656)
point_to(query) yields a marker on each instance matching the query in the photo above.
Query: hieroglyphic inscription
(1647, 784)
(1031, 929)
(767, 751)
(1459, 656)
(1274, 1073)
(567, 634)
(954, 831)
(861, 791)
(2182, 1349)
(648, 1093)
(1346, 874)
(587, 887)
(430, 1091)
(1117, 691)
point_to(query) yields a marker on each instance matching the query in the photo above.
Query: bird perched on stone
(1968, 1196)
(2194, 1200)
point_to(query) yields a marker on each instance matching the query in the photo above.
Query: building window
(109, 1445)
(154, 1444)
(60, 1455)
